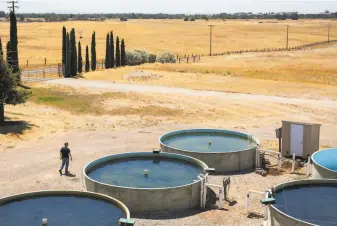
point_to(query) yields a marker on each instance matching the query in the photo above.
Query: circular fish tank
(66, 208)
(325, 164)
(226, 151)
(148, 182)
(305, 202)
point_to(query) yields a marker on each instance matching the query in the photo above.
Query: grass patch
(93, 104)
(74, 103)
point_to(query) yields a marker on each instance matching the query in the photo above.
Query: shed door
(296, 139)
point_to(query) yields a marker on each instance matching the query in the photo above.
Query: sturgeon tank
(148, 182)
(225, 151)
(66, 208)
(325, 164)
(304, 203)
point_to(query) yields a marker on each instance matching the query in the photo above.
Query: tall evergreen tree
(14, 43)
(67, 70)
(107, 52)
(87, 63)
(118, 53)
(8, 53)
(9, 92)
(73, 53)
(80, 61)
(93, 52)
(112, 53)
(64, 45)
(123, 53)
(1, 50)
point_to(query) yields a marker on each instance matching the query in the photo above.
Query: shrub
(152, 58)
(133, 58)
(186, 19)
(145, 55)
(166, 57)
(192, 19)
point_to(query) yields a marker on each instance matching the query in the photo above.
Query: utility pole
(210, 39)
(329, 33)
(287, 37)
(12, 5)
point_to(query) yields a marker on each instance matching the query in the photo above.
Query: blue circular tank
(325, 164)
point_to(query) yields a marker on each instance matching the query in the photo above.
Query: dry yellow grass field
(43, 40)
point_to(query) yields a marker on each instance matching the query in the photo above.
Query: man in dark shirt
(64, 156)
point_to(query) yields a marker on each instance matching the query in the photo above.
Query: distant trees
(118, 53)
(123, 54)
(80, 61)
(93, 52)
(2, 14)
(294, 16)
(87, 63)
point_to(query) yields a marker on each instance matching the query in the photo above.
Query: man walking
(64, 156)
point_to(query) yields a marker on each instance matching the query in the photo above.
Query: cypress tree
(64, 45)
(14, 43)
(118, 53)
(1, 50)
(93, 52)
(67, 70)
(80, 61)
(8, 52)
(123, 53)
(112, 53)
(87, 63)
(73, 53)
(107, 52)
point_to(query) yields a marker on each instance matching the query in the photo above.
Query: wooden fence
(188, 59)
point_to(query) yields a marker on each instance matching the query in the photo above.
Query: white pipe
(293, 165)
(201, 194)
(44, 222)
(248, 197)
(257, 161)
(214, 185)
(279, 161)
(266, 207)
(204, 195)
(307, 169)
(221, 198)
(270, 151)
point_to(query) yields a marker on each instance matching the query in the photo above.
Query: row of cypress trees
(112, 58)
(72, 57)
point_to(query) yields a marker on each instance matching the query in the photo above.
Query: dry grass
(43, 40)
(293, 74)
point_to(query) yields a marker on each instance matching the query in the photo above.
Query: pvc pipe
(201, 194)
(44, 222)
(248, 197)
(307, 169)
(293, 165)
(221, 198)
(214, 185)
(279, 162)
(205, 195)
(266, 207)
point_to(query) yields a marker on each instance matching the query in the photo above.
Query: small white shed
(300, 138)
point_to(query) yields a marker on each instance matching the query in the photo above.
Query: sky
(174, 6)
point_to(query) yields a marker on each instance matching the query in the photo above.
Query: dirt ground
(29, 150)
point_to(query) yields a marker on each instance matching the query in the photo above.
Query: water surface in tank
(131, 172)
(316, 204)
(208, 142)
(60, 210)
(327, 158)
